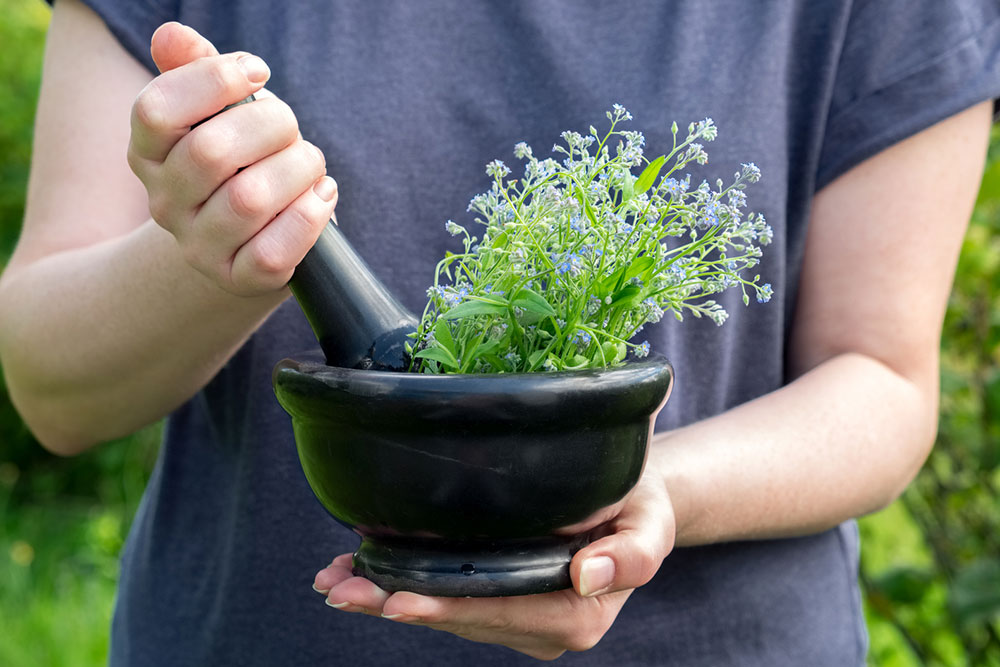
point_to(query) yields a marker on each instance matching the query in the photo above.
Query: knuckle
(585, 636)
(149, 109)
(135, 162)
(301, 224)
(208, 148)
(501, 623)
(547, 654)
(317, 160)
(248, 197)
(268, 259)
(226, 79)
(648, 560)
(160, 209)
(283, 117)
(578, 642)
(194, 256)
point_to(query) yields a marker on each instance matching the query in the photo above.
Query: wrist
(666, 466)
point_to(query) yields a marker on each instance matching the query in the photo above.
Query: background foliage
(930, 562)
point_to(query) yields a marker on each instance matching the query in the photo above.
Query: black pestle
(358, 323)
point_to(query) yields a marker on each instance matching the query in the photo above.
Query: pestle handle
(358, 323)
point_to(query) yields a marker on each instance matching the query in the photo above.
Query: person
(149, 280)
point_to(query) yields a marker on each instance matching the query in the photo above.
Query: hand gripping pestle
(358, 323)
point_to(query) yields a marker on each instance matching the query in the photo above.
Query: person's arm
(108, 320)
(841, 440)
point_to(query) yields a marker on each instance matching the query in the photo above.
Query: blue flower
(569, 263)
(751, 172)
(620, 112)
(764, 293)
(674, 187)
(497, 169)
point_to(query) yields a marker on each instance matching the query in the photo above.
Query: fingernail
(402, 618)
(320, 590)
(596, 574)
(256, 70)
(339, 605)
(325, 188)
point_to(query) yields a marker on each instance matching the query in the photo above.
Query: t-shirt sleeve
(905, 65)
(133, 22)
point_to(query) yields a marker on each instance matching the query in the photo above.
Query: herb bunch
(578, 256)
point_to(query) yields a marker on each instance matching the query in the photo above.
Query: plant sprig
(578, 256)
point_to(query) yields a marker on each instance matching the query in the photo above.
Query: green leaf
(974, 595)
(904, 585)
(992, 392)
(476, 306)
(589, 210)
(610, 283)
(628, 188)
(439, 355)
(501, 241)
(535, 357)
(534, 302)
(442, 334)
(649, 174)
(626, 297)
(585, 203)
(613, 352)
(495, 361)
(486, 347)
(989, 190)
(639, 265)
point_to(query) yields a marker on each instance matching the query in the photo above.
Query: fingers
(333, 574)
(253, 231)
(243, 193)
(346, 592)
(641, 537)
(173, 45)
(268, 260)
(542, 626)
(213, 152)
(171, 103)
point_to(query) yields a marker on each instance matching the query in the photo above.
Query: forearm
(101, 340)
(840, 441)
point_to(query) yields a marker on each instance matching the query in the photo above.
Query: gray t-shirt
(409, 100)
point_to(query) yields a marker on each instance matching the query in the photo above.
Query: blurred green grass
(932, 593)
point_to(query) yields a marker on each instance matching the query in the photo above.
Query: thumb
(642, 536)
(174, 44)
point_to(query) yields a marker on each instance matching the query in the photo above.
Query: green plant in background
(578, 256)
